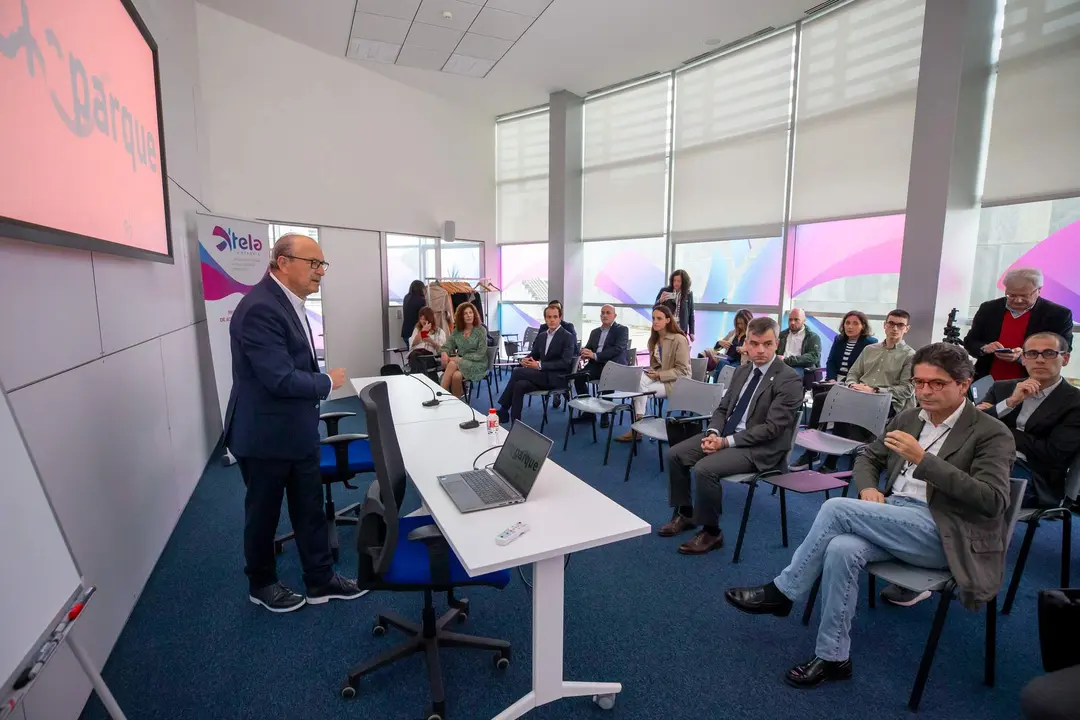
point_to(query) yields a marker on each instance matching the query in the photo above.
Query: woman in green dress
(464, 356)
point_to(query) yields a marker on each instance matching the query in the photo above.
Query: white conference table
(564, 515)
(408, 394)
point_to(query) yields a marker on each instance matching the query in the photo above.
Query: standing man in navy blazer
(272, 427)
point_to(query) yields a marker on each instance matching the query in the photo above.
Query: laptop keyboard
(486, 487)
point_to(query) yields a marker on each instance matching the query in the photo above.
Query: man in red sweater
(1000, 326)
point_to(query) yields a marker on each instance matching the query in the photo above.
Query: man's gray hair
(282, 248)
(1024, 276)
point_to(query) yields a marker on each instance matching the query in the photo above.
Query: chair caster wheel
(348, 692)
(378, 630)
(502, 661)
(606, 702)
(462, 618)
(434, 716)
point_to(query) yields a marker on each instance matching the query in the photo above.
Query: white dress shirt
(547, 343)
(794, 343)
(603, 337)
(297, 303)
(764, 368)
(931, 439)
(1027, 409)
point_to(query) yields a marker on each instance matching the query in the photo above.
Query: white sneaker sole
(291, 608)
(913, 601)
(323, 599)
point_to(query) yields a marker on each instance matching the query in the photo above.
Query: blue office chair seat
(360, 460)
(411, 564)
(355, 459)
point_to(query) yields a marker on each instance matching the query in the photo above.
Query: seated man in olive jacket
(944, 506)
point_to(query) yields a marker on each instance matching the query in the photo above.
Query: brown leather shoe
(702, 543)
(678, 524)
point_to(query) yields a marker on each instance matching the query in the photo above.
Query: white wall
(352, 303)
(108, 367)
(363, 151)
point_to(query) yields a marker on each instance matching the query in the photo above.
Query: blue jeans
(847, 534)
(722, 363)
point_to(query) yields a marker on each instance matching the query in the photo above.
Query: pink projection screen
(82, 159)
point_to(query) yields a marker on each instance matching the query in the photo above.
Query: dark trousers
(522, 380)
(709, 469)
(594, 369)
(268, 482)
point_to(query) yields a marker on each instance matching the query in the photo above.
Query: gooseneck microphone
(434, 401)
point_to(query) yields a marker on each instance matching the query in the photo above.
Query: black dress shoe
(277, 598)
(816, 671)
(338, 588)
(759, 601)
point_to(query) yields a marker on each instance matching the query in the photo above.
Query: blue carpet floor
(637, 612)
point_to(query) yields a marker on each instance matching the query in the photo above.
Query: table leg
(547, 645)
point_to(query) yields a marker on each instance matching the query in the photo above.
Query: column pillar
(954, 96)
(565, 254)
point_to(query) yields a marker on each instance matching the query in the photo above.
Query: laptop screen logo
(526, 460)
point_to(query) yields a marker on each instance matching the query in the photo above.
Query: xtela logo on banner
(230, 241)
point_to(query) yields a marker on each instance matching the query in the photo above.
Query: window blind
(730, 141)
(858, 72)
(521, 179)
(625, 162)
(1034, 149)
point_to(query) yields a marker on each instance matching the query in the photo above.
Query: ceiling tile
(500, 24)
(532, 8)
(423, 58)
(432, 37)
(431, 12)
(373, 50)
(402, 9)
(482, 46)
(465, 65)
(379, 27)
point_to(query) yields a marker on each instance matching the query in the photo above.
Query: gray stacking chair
(917, 579)
(726, 373)
(699, 399)
(1032, 516)
(751, 480)
(618, 384)
(699, 367)
(980, 387)
(869, 411)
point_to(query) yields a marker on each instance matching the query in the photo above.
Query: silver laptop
(508, 481)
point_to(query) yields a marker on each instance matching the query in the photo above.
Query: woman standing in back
(677, 297)
(669, 359)
(410, 309)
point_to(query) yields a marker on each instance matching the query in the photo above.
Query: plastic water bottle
(492, 423)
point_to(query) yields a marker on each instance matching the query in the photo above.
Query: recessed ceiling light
(714, 41)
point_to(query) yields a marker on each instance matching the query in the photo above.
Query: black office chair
(342, 456)
(409, 554)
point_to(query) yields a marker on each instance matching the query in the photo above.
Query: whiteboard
(37, 571)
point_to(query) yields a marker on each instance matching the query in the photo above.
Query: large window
(625, 164)
(524, 277)
(408, 258)
(734, 272)
(313, 303)
(461, 259)
(623, 272)
(521, 179)
(858, 71)
(730, 140)
(848, 265)
(1043, 235)
(1033, 145)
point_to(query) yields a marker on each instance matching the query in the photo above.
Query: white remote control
(511, 533)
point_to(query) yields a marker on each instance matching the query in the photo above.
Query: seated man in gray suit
(607, 343)
(749, 432)
(944, 507)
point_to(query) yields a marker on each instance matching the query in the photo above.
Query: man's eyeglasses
(315, 263)
(895, 325)
(935, 385)
(1046, 354)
